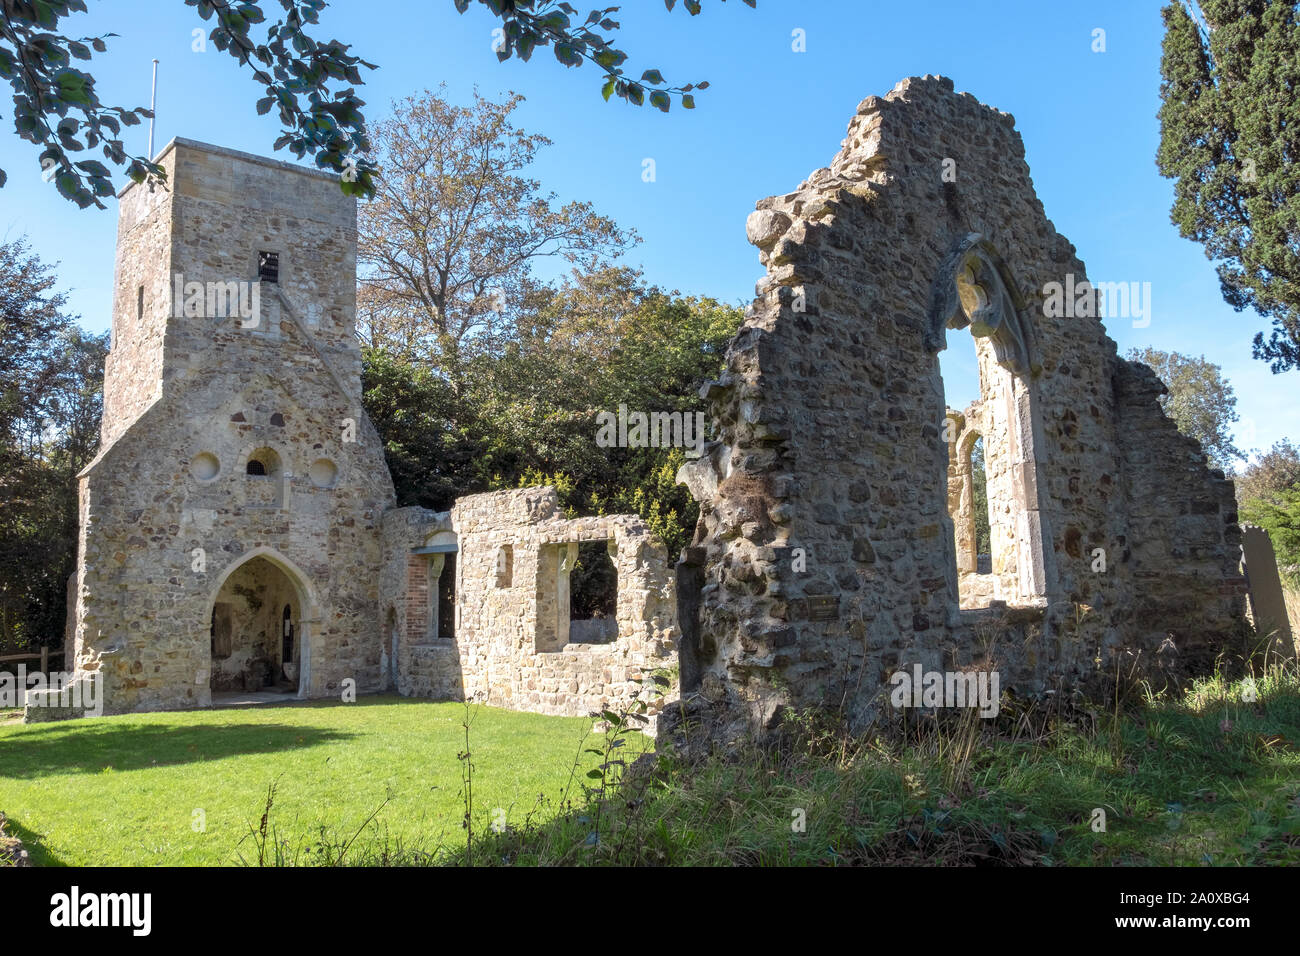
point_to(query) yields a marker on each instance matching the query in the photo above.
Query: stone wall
(168, 511)
(833, 547)
(825, 548)
(510, 647)
(141, 302)
(238, 474)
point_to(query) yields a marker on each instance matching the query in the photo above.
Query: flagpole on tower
(153, 103)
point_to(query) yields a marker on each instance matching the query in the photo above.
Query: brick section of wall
(417, 598)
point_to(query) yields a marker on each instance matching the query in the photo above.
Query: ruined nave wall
(825, 544)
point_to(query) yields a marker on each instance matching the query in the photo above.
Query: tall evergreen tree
(1230, 139)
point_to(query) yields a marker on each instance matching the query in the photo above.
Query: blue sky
(769, 118)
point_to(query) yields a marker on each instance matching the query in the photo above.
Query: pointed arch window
(974, 291)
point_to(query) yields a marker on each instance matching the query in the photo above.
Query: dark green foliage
(433, 438)
(50, 405)
(330, 126)
(526, 414)
(980, 497)
(56, 106)
(593, 583)
(1280, 517)
(1268, 493)
(1230, 138)
(309, 82)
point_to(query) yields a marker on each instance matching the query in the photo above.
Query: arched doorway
(262, 610)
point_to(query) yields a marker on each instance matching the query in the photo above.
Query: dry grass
(1291, 597)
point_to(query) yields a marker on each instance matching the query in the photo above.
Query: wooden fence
(44, 657)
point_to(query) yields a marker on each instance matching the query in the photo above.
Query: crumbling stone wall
(825, 548)
(512, 607)
(187, 557)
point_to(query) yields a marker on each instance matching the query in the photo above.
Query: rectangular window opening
(441, 577)
(593, 596)
(268, 266)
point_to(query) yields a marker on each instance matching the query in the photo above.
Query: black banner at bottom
(134, 907)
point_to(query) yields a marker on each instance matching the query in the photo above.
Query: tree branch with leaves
(57, 107)
(447, 246)
(527, 25)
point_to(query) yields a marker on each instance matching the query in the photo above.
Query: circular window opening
(323, 473)
(263, 462)
(205, 466)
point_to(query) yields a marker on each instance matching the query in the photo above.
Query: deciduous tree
(448, 245)
(1200, 401)
(50, 404)
(528, 415)
(1275, 471)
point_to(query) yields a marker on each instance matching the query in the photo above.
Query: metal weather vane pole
(153, 103)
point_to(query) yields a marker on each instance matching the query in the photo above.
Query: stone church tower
(230, 524)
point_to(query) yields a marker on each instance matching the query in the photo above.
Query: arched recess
(974, 290)
(305, 597)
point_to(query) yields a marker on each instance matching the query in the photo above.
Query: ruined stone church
(239, 529)
(239, 532)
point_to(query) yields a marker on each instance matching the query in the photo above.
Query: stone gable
(826, 556)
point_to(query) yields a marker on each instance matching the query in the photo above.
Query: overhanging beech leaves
(57, 108)
(308, 82)
(528, 24)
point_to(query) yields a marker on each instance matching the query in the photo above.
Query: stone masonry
(834, 546)
(513, 644)
(177, 529)
(239, 528)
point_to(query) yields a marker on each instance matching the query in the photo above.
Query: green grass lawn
(1208, 778)
(124, 790)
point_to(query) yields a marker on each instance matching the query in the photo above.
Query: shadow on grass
(90, 747)
(1219, 785)
(37, 853)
